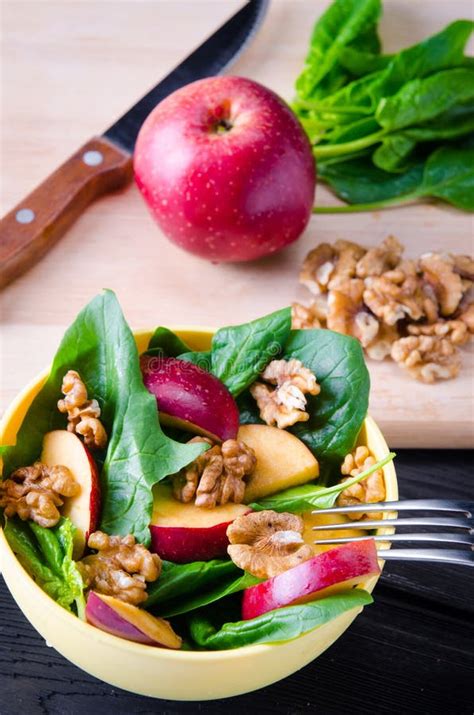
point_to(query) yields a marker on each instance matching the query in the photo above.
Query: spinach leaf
(314, 496)
(449, 175)
(338, 26)
(165, 342)
(46, 554)
(337, 413)
(275, 626)
(101, 347)
(393, 153)
(240, 352)
(200, 358)
(441, 51)
(201, 599)
(180, 580)
(424, 99)
(360, 182)
(362, 62)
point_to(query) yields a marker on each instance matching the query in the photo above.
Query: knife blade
(104, 163)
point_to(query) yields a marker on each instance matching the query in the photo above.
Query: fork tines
(462, 522)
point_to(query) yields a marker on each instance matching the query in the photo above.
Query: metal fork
(463, 524)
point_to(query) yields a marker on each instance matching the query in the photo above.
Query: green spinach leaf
(422, 100)
(204, 598)
(181, 580)
(46, 554)
(200, 358)
(101, 347)
(339, 26)
(314, 496)
(275, 626)
(165, 342)
(240, 352)
(449, 175)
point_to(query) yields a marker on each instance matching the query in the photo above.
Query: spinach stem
(329, 150)
(330, 109)
(374, 206)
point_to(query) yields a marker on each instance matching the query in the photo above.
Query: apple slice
(184, 532)
(329, 572)
(283, 461)
(129, 622)
(190, 398)
(63, 447)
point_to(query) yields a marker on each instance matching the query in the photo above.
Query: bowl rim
(67, 617)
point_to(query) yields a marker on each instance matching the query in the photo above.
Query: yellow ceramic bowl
(156, 672)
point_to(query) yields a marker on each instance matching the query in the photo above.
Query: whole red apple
(226, 169)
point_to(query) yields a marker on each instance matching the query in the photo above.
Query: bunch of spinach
(275, 626)
(100, 346)
(386, 129)
(46, 554)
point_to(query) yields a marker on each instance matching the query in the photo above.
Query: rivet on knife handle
(34, 225)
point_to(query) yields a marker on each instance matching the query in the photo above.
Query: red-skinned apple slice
(190, 398)
(184, 532)
(129, 622)
(329, 572)
(65, 448)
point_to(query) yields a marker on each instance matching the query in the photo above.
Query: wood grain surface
(409, 652)
(70, 67)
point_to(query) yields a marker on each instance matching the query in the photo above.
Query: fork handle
(449, 556)
(37, 222)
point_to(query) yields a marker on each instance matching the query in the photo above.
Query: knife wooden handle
(37, 223)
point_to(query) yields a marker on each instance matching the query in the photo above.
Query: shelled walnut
(285, 404)
(370, 490)
(380, 298)
(309, 316)
(266, 543)
(347, 313)
(380, 259)
(36, 492)
(217, 476)
(120, 568)
(82, 414)
(326, 266)
(427, 358)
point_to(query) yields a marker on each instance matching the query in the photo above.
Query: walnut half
(427, 357)
(82, 414)
(36, 492)
(285, 404)
(217, 476)
(266, 543)
(370, 490)
(120, 568)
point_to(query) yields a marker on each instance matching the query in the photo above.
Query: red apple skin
(183, 545)
(95, 498)
(129, 622)
(100, 615)
(231, 194)
(345, 565)
(191, 396)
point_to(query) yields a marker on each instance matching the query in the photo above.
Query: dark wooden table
(410, 652)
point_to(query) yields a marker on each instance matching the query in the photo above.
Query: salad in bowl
(159, 495)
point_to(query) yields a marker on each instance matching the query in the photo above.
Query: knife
(104, 163)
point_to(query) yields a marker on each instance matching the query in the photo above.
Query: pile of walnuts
(418, 312)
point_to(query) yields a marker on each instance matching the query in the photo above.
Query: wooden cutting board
(70, 69)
